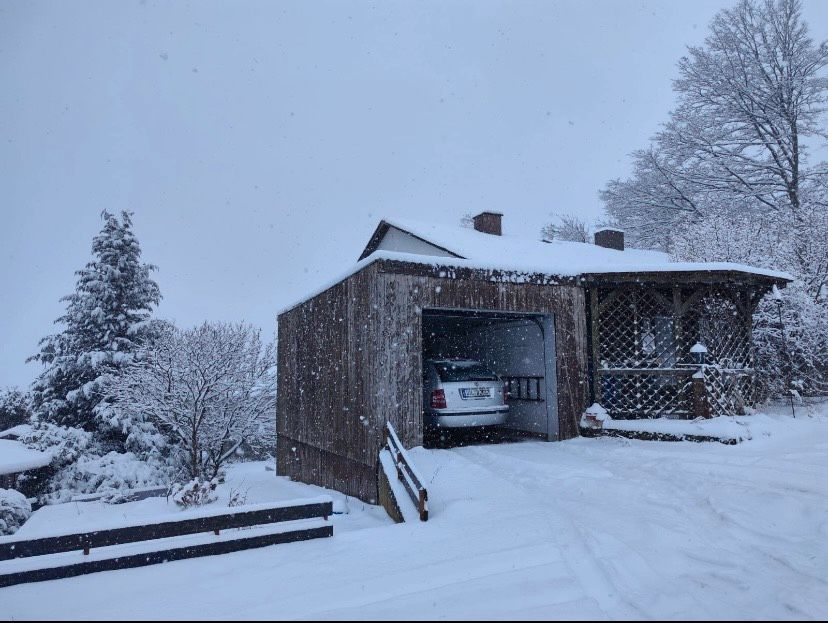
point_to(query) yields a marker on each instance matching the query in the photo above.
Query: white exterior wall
(402, 242)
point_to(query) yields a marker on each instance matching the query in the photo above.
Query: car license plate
(475, 392)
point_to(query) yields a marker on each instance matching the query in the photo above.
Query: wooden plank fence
(17, 548)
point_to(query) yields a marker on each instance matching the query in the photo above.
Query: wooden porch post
(596, 346)
(678, 334)
(701, 405)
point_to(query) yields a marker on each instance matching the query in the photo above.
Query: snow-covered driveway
(590, 528)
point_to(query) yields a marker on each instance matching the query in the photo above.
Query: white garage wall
(515, 347)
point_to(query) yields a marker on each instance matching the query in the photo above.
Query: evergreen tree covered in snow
(105, 322)
(15, 408)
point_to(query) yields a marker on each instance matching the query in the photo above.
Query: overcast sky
(259, 143)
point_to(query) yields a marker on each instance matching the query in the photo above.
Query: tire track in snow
(581, 557)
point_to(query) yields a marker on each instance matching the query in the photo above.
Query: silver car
(460, 393)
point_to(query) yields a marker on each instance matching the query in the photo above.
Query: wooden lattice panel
(728, 391)
(645, 334)
(649, 393)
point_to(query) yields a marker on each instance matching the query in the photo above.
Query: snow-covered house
(565, 324)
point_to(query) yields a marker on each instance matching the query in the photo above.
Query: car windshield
(458, 371)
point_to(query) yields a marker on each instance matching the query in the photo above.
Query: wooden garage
(350, 357)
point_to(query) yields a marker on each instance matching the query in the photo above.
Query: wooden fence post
(422, 505)
(701, 405)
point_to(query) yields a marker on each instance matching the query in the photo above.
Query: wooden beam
(608, 300)
(710, 277)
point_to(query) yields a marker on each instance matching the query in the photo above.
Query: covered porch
(674, 344)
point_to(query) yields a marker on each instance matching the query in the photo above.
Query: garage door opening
(462, 350)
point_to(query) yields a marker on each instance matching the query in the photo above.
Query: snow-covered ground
(725, 428)
(589, 528)
(252, 481)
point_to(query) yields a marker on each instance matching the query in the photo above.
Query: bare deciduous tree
(749, 100)
(566, 227)
(211, 390)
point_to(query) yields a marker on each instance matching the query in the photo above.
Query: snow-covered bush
(80, 465)
(197, 492)
(594, 416)
(793, 354)
(66, 444)
(113, 473)
(237, 498)
(14, 511)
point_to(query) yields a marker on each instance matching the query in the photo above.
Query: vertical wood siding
(350, 359)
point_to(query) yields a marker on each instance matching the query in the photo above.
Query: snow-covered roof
(557, 257)
(15, 457)
(524, 257)
(517, 252)
(16, 431)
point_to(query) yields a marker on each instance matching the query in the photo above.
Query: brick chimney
(610, 238)
(489, 223)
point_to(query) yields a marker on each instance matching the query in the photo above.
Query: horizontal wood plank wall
(350, 358)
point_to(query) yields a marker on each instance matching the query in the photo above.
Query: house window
(658, 341)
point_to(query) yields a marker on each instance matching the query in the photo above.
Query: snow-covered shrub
(66, 444)
(14, 511)
(237, 498)
(113, 473)
(792, 355)
(197, 492)
(80, 465)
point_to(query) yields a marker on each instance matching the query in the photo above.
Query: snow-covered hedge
(14, 511)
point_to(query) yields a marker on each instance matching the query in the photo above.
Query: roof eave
(713, 276)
